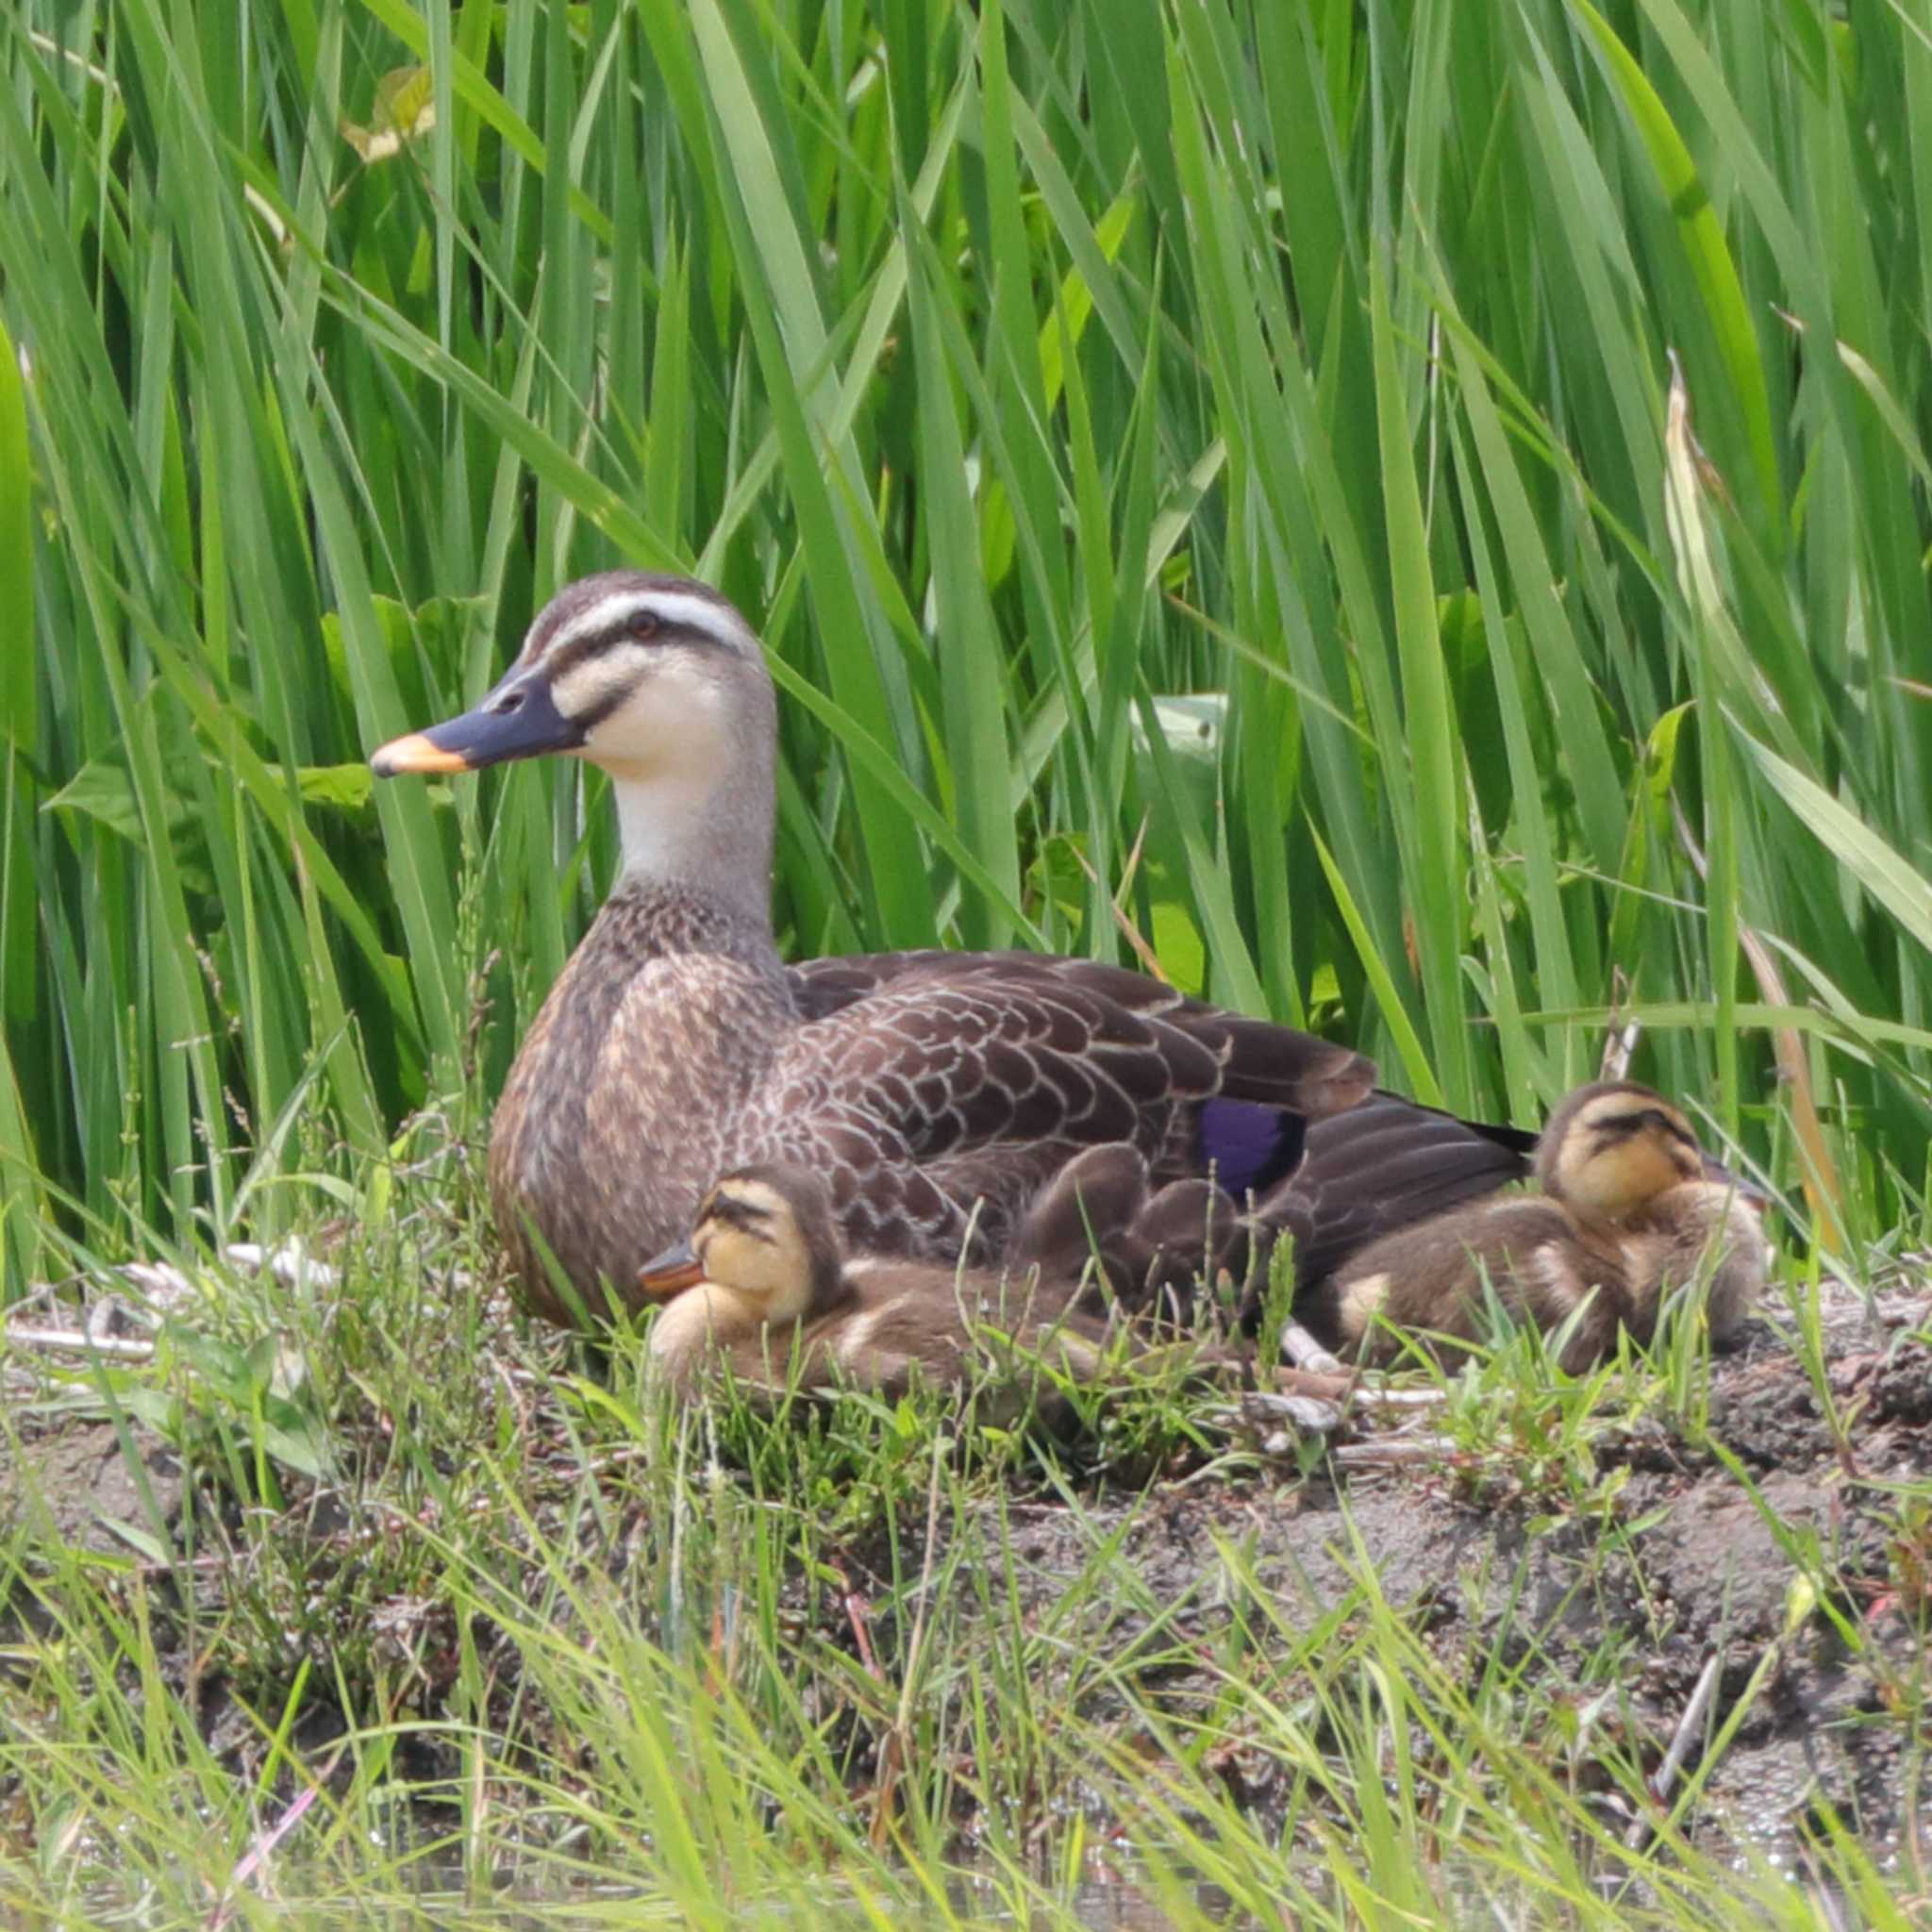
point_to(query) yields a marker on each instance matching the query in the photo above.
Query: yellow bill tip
(416, 752)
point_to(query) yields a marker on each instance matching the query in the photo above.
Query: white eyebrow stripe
(677, 609)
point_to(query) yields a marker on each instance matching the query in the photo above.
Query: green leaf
(19, 684)
(1897, 885)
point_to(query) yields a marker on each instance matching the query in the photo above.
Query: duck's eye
(644, 626)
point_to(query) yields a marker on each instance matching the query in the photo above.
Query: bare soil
(1696, 1559)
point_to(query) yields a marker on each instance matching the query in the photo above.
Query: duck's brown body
(587, 1150)
(938, 1102)
(1627, 1216)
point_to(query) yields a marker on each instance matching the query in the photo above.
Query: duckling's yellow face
(748, 1239)
(1621, 1150)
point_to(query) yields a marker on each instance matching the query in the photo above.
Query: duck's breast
(631, 1093)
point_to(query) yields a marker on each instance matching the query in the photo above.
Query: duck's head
(1612, 1147)
(769, 1235)
(661, 682)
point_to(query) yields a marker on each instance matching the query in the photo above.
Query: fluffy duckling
(1102, 1220)
(1630, 1209)
(765, 1270)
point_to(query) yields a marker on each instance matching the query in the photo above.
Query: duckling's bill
(518, 720)
(676, 1268)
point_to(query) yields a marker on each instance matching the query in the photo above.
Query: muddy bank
(1777, 1554)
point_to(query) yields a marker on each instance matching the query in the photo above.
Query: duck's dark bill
(518, 721)
(671, 1272)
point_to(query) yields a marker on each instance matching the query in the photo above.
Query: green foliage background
(1017, 369)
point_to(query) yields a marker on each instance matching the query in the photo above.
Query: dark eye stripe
(734, 1210)
(1618, 1126)
(580, 650)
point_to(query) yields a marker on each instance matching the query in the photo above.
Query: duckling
(1149, 1248)
(765, 1271)
(1630, 1209)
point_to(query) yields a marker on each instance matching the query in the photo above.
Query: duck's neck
(701, 834)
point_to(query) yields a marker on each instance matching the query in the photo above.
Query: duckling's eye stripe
(744, 1215)
(1615, 1126)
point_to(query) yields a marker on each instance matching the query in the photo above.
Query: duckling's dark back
(1430, 1278)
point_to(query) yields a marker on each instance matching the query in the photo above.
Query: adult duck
(1631, 1209)
(938, 1092)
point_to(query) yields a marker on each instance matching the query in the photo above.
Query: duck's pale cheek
(598, 687)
